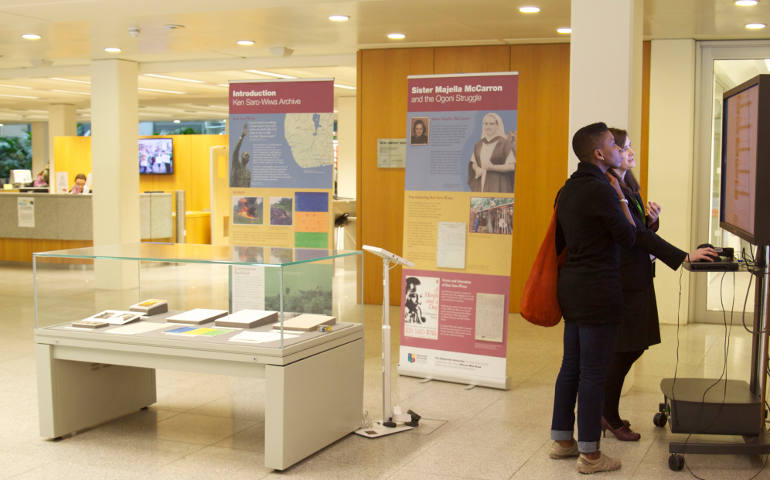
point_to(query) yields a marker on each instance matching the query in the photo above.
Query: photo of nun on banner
(492, 164)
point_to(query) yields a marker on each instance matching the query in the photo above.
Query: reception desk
(61, 221)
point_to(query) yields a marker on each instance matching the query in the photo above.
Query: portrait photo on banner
(464, 151)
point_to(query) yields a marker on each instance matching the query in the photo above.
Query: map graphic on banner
(281, 134)
(458, 225)
(281, 160)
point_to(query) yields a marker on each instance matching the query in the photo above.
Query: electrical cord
(726, 348)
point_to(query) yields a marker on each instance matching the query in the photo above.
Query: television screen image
(156, 156)
(745, 166)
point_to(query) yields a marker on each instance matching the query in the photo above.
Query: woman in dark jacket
(639, 326)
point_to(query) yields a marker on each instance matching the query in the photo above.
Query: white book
(248, 318)
(306, 322)
(114, 317)
(197, 316)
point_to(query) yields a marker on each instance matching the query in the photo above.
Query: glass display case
(78, 284)
(301, 330)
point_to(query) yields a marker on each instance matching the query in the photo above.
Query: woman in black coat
(639, 326)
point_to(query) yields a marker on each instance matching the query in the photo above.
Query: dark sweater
(593, 227)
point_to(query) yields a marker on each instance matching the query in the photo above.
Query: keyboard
(720, 266)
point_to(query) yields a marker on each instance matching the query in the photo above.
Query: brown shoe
(557, 451)
(601, 464)
(622, 433)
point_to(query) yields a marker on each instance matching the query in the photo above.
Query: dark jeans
(616, 374)
(587, 352)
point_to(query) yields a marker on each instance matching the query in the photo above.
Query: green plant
(15, 154)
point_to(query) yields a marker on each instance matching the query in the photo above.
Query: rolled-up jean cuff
(588, 447)
(561, 435)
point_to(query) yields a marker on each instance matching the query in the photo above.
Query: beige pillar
(670, 166)
(114, 120)
(605, 66)
(40, 141)
(346, 136)
(61, 123)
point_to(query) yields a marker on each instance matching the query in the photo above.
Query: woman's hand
(705, 254)
(653, 212)
(615, 184)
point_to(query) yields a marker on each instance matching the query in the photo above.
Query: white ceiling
(76, 31)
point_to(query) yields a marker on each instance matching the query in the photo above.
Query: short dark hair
(80, 176)
(587, 139)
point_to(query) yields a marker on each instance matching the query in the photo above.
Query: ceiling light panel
(176, 79)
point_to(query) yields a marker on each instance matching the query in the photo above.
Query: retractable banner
(458, 225)
(281, 184)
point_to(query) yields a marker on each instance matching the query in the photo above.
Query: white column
(40, 141)
(670, 165)
(605, 66)
(61, 123)
(346, 136)
(114, 120)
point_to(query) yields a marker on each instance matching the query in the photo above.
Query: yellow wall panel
(191, 166)
(382, 114)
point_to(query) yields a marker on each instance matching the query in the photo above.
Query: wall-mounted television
(156, 156)
(745, 192)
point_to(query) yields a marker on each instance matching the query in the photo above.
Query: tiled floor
(206, 427)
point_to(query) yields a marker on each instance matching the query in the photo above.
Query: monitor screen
(739, 159)
(156, 156)
(21, 176)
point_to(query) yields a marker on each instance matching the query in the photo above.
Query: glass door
(721, 66)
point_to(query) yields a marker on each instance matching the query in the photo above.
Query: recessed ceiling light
(177, 121)
(31, 36)
(346, 87)
(160, 90)
(173, 26)
(755, 26)
(529, 9)
(112, 50)
(70, 80)
(339, 18)
(245, 43)
(270, 74)
(746, 3)
(169, 77)
(396, 36)
(564, 30)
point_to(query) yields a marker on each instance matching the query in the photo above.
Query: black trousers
(616, 374)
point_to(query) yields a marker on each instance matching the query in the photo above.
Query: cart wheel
(660, 419)
(676, 462)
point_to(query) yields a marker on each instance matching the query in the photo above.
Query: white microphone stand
(398, 422)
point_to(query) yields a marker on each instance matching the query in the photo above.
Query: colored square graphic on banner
(311, 221)
(311, 240)
(311, 202)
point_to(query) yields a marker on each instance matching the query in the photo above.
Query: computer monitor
(156, 156)
(745, 195)
(21, 176)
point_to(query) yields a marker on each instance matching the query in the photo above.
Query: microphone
(388, 255)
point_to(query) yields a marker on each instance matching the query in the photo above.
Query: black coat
(639, 328)
(592, 226)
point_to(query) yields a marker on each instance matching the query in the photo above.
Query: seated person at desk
(42, 179)
(80, 184)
